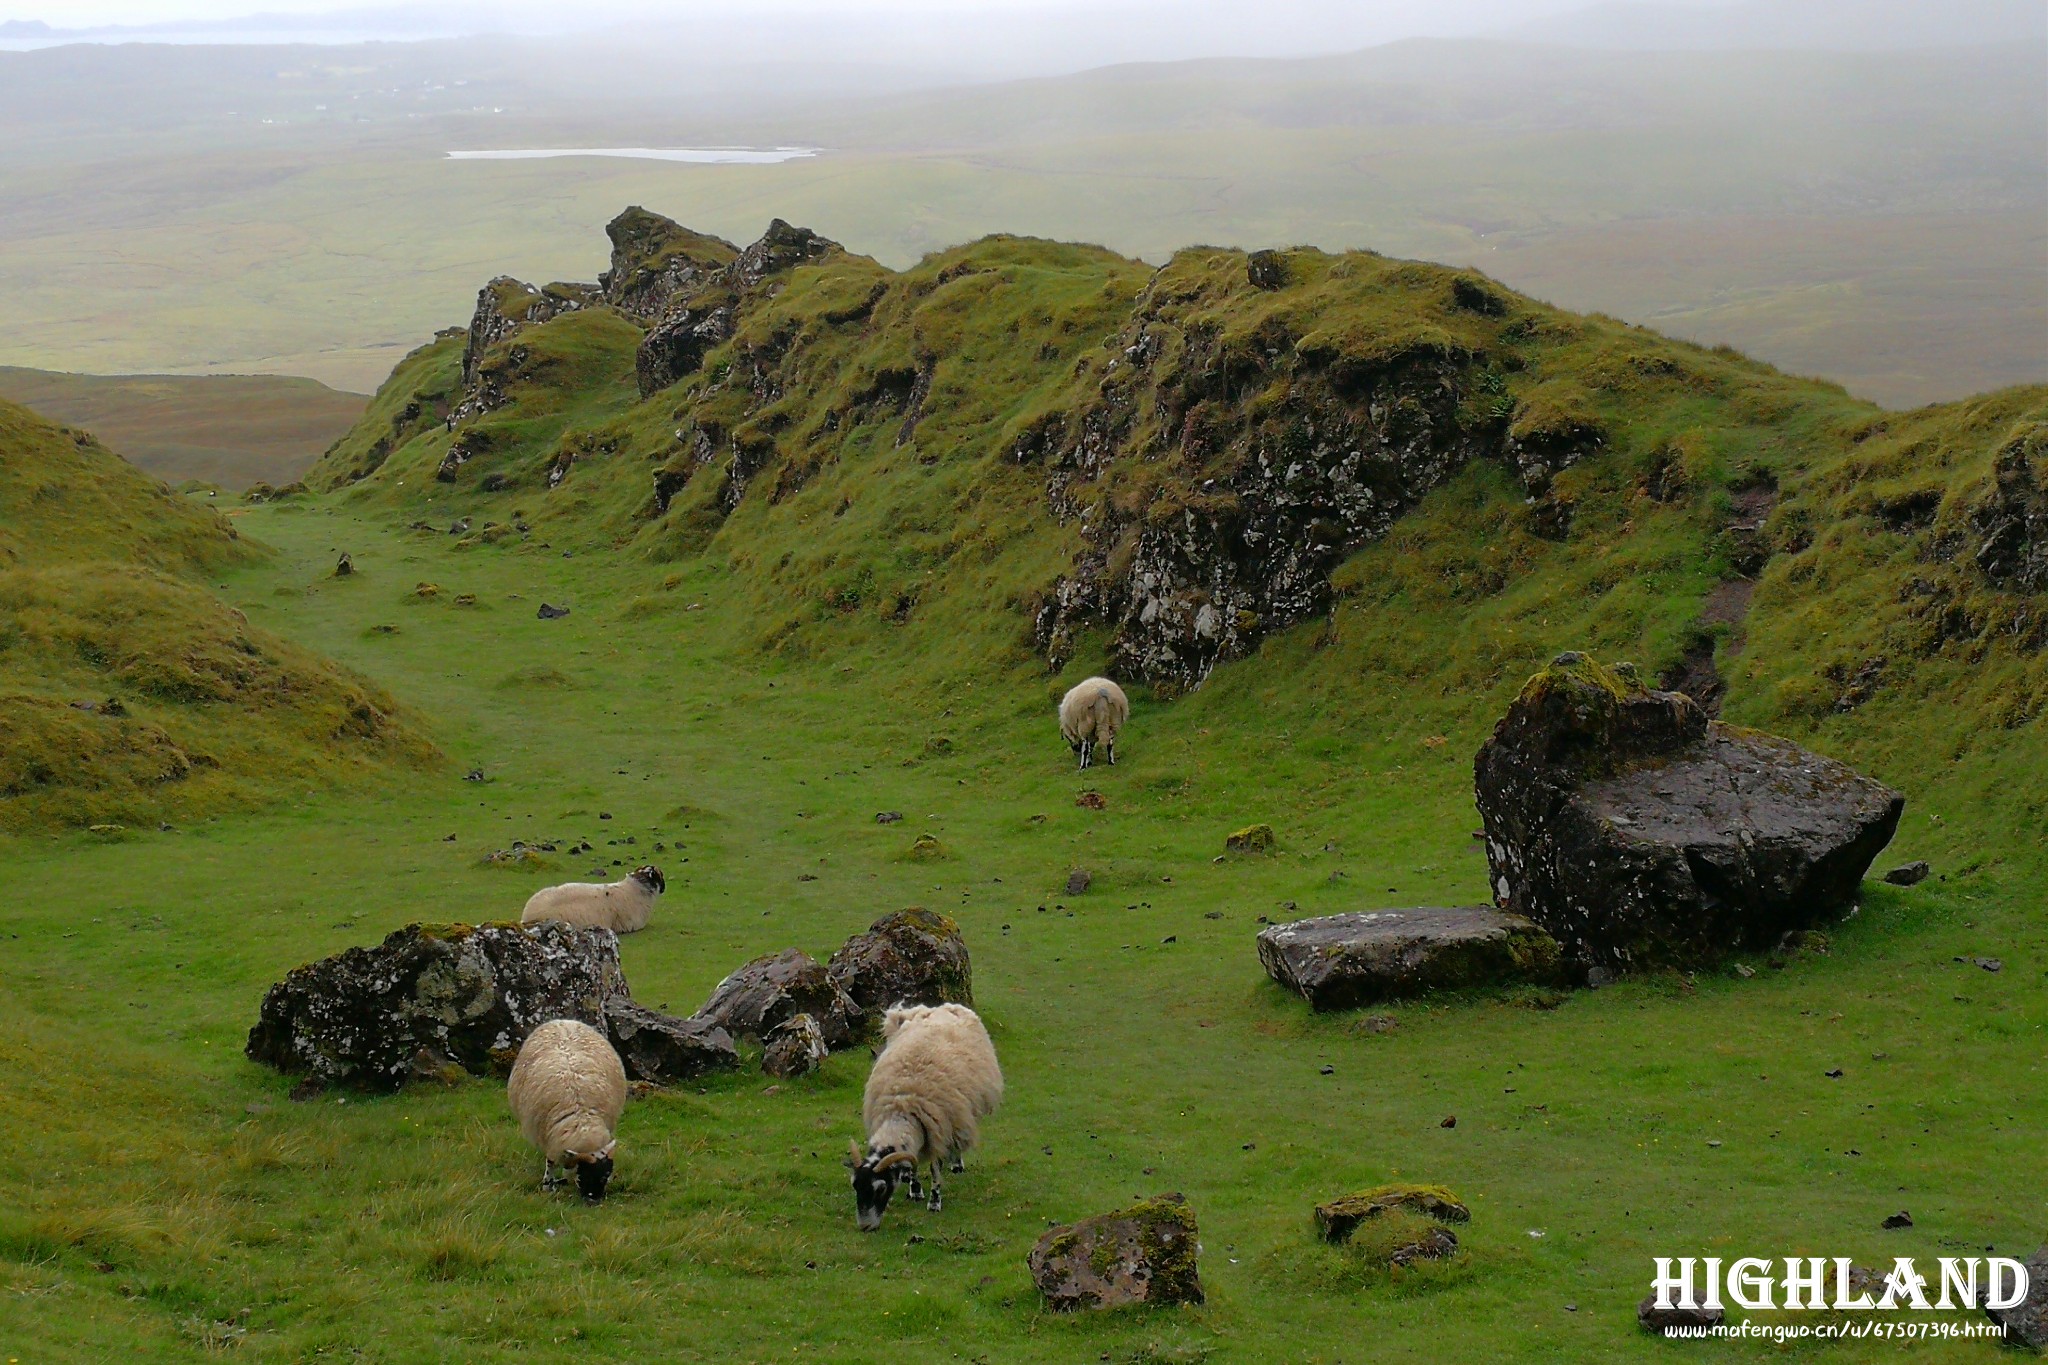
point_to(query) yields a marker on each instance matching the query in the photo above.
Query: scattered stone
(1341, 961)
(753, 1000)
(1266, 270)
(1639, 833)
(1078, 881)
(2026, 1323)
(551, 613)
(519, 856)
(926, 848)
(344, 566)
(1909, 874)
(1147, 1253)
(473, 775)
(460, 528)
(1901, 1219)
(1744, 971)
(426, 590)
(1337, 1220)
(889, 817)
(1654, 1319)
(795, 1047)
(1251, 839)
(1989, 964)
(1091, 800)
(664, 1050)
(465, 599)
(1450, 1121)
(459, 994)
(914, 957)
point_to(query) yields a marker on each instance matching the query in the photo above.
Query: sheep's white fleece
(568, 1090)
(1094, 709)
(936, 1079)
(622, 906)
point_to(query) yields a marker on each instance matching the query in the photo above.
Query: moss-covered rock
(913, 957)
(1147, 1253)
(1340, 1218)
(1361, 957)
(1251, 839)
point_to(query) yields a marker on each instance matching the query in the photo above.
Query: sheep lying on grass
(568, 1089)
(1091, 714)
(933, 1083)
(622, 906)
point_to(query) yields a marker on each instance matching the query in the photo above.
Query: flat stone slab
(1341, 961)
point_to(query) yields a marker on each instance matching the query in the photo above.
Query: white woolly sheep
(621, 906)
(934, 1082)
(568, 1089)
(1093, 713)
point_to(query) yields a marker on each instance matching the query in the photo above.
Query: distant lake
(747, 156)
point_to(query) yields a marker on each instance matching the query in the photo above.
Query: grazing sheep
(1093, 713)
(621, 906)
(934, 1082)
(568, 1090)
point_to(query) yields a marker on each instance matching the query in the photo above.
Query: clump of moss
(1250, 840)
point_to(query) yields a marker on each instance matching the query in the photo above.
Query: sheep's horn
(605, 1150)
(895, 1159)
(852, 1152)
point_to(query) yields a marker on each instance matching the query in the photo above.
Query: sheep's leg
(548, 1179)
(1110, 749)
(915, 1186)
(959, 1167)
(932, 1204)
(1087, 753)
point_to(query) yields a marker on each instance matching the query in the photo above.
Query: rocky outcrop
(778, 987)
(504, 307)
(1148, 1253)
(664, 1050)
(1638, 833)
(655, 261)
(913, 957)
(782, 247)
(795, 1047)
(2011, 522)
(699, 313)
(434, 997)
(1289, 485)
(675, 347)
(1363, 957)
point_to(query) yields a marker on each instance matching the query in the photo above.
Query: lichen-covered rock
(2026, 1323)
(780, 986)
(1147, 1253)
(656, 260)
(505, 307)
(2011, 522)
(1250, 839)
(430, 996)
(795, 1047)
(913, 957)
(1341, 961)
(1341, 1217)
(1638, 833)
(663, 1049)
(676, 346)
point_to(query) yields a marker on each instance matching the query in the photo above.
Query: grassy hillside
(1873, 218)
(810, 582)
(230, 430)
(129, 694)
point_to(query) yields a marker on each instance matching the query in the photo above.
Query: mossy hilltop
(128, 692)
(1022, 453)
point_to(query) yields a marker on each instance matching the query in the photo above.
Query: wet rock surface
(1341, 961)
(1639, 833)
(913, 957)
(1147, 1253)
(795, 1047)
(779, 986)
(431, 997)
(662, 1049)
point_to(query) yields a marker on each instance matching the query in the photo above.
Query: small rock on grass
(1654, 1319)
(1908, 874)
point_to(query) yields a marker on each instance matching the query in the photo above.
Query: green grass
(230, 430)
(749, 687)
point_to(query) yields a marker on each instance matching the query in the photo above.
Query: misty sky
(1396, 16)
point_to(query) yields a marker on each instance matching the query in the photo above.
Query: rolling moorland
(833, 538)
(1873, 217)
(230, 430)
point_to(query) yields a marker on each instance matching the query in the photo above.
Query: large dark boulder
(1341, 961)
(1147, 1253)
(2026, 1323)
(663, 1049)
(913, 957)
(1639, 833)
(780, 986)
(434, 997)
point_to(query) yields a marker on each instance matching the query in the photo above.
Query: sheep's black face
(651, 878)
(592, 1178)
(871, 1191)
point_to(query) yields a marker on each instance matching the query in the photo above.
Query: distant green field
(1877, 219)
(230, 430)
